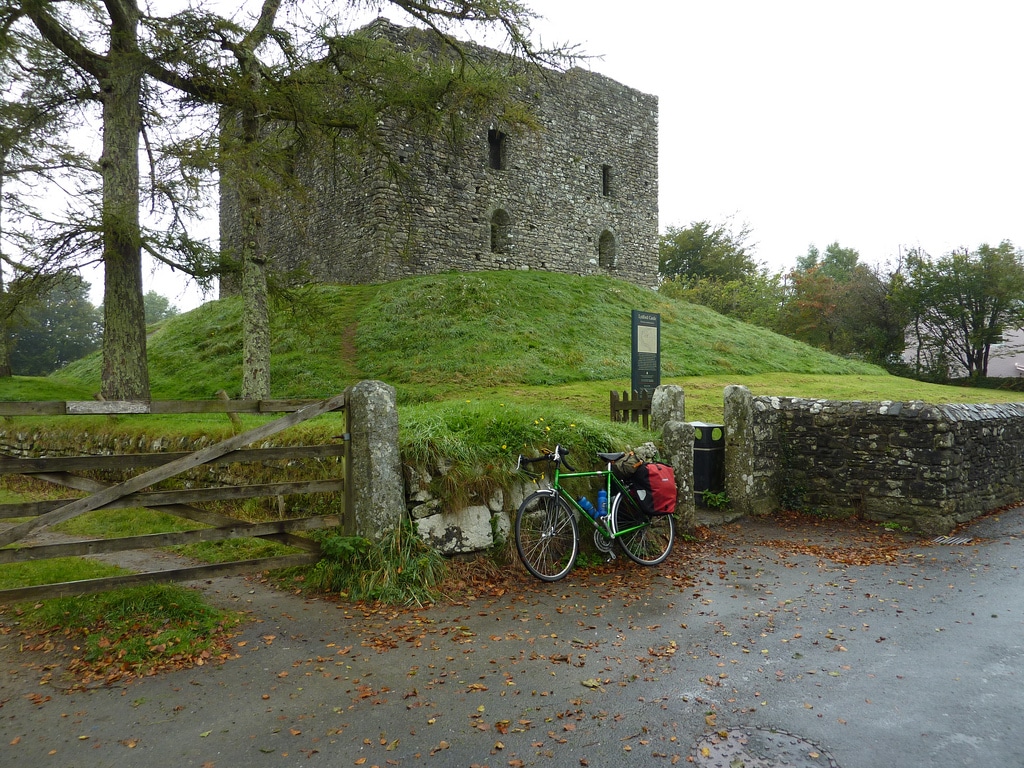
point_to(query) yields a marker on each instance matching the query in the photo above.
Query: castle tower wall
(577, 195)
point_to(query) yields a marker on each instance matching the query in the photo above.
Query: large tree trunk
(5, 324)
(125, 371)
(255, 307)
(255, 329)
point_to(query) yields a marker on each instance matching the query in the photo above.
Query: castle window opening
(606, 180)
(496, 143)
(501, 232)
(606, 251)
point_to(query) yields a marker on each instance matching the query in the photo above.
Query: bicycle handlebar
(559, 455)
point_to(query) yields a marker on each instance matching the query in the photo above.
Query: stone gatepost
(749, 492)
(378, 488)
(668, 403)
(677, 438)
(668, 413)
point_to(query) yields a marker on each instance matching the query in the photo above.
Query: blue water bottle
(602, 503)
(587, 506)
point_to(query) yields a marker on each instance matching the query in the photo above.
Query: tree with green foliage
(809, 311)
(963, 303)
(711, 264)
(871, 322)
(755, 299)
(158, 307)
(186, 73)
(99, 53)
(56, 328)
(39, 105)
(837, 263)
(839, 304)
(706, 250)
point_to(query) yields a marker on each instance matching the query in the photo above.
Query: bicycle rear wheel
(646, 539)
(547, 537)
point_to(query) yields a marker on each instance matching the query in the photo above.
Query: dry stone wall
(922, 466)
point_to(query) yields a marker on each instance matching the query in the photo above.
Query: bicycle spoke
(547, 538)
(645, 539)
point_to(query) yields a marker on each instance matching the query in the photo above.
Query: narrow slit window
(496, 144)
(606, 180)
(501, 232)
(606, 256)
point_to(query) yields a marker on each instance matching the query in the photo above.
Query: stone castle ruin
(577, 195)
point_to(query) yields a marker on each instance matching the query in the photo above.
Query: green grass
(24, 388)
(400, 569)
(535, 339)
(130, 632)
(54, 571)
(444, 335)
(540, 329)
(195, 354)
(231, 550)
(119, 523)
(485, 365)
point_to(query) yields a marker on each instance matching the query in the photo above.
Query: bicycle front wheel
(646, 539)
(547, 537)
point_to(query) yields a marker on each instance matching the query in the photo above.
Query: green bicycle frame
(612, 484)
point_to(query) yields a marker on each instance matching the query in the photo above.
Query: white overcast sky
(880, 125)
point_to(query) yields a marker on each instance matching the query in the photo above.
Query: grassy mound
(444, 334)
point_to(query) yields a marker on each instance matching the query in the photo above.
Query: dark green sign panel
(646, 351)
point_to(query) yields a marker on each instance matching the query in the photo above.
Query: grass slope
(442, 335)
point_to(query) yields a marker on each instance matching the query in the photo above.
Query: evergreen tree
(59, 327)
(182, 75)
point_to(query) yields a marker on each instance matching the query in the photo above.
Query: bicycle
(547, 532)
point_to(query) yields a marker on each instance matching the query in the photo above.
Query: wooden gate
(636, 409)
(159, 467)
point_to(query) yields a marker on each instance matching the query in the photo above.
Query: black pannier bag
(653, 485)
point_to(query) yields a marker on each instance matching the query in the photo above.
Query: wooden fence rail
(636, 409)
(160, 467)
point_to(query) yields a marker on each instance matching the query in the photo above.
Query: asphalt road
(752, 650)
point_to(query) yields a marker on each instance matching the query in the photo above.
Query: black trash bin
(708, 458)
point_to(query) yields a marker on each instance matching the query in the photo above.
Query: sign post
(646, 352)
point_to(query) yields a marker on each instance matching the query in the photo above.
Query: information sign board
(646, 352)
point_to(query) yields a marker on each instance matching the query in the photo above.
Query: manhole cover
(758, 748)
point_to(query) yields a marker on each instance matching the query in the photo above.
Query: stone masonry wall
(577, 195)
(926, 467)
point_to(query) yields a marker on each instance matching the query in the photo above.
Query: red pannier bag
(654, 487)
